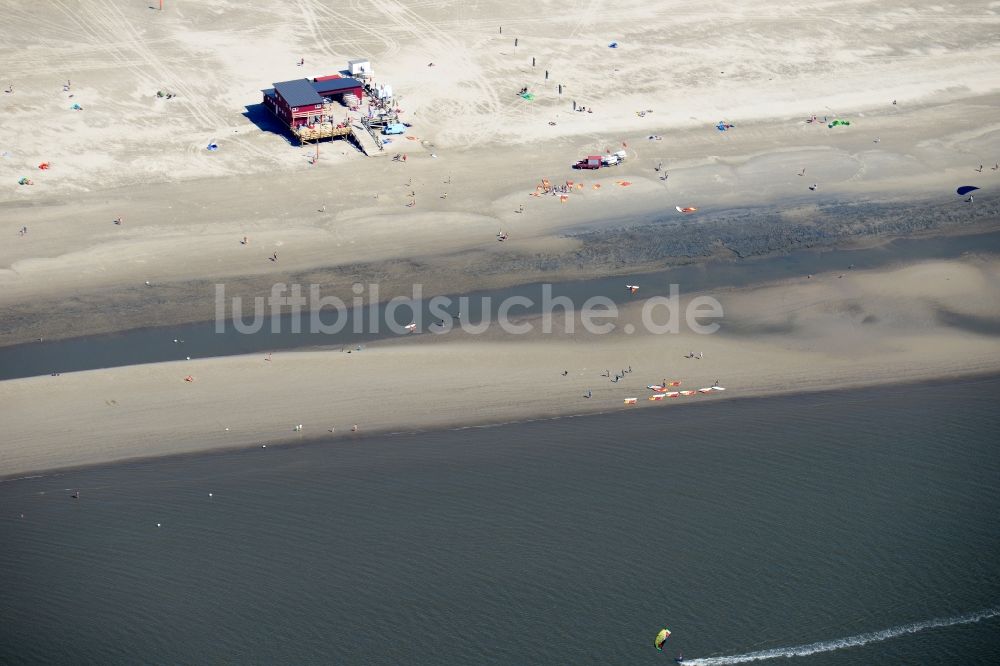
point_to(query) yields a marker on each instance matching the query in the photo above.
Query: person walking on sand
(980, 169)
(274, 257)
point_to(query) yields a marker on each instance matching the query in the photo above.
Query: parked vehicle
(591, 162)
(395, 128)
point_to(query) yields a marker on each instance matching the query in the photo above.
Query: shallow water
(744, 526)
(200, 340)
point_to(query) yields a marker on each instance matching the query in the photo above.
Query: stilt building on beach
(308, 108)
(329, 107)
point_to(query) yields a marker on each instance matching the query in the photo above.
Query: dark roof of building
(336, 85)
(298, 93)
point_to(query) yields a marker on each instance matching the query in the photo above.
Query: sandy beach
(924, 321)
(918, 85)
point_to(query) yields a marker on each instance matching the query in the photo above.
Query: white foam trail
(849, 642)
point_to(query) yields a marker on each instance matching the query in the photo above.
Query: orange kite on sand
(597, 186)
(624, 183)
(689, 209)
(189, 378)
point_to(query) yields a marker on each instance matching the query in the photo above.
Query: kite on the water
(661, 638)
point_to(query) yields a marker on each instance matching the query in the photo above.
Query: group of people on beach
(618, 375)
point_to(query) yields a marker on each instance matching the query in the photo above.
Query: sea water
(855, 527)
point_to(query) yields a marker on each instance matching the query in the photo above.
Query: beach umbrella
(965, 189)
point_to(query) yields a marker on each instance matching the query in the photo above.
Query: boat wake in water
(849, 642)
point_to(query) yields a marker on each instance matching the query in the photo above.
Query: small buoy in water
(210, 494)
(263, 446)
(189, 358)
(227, 429)
(157, 524)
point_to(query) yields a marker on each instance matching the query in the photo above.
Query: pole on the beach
(161, 5)
(532, 61)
